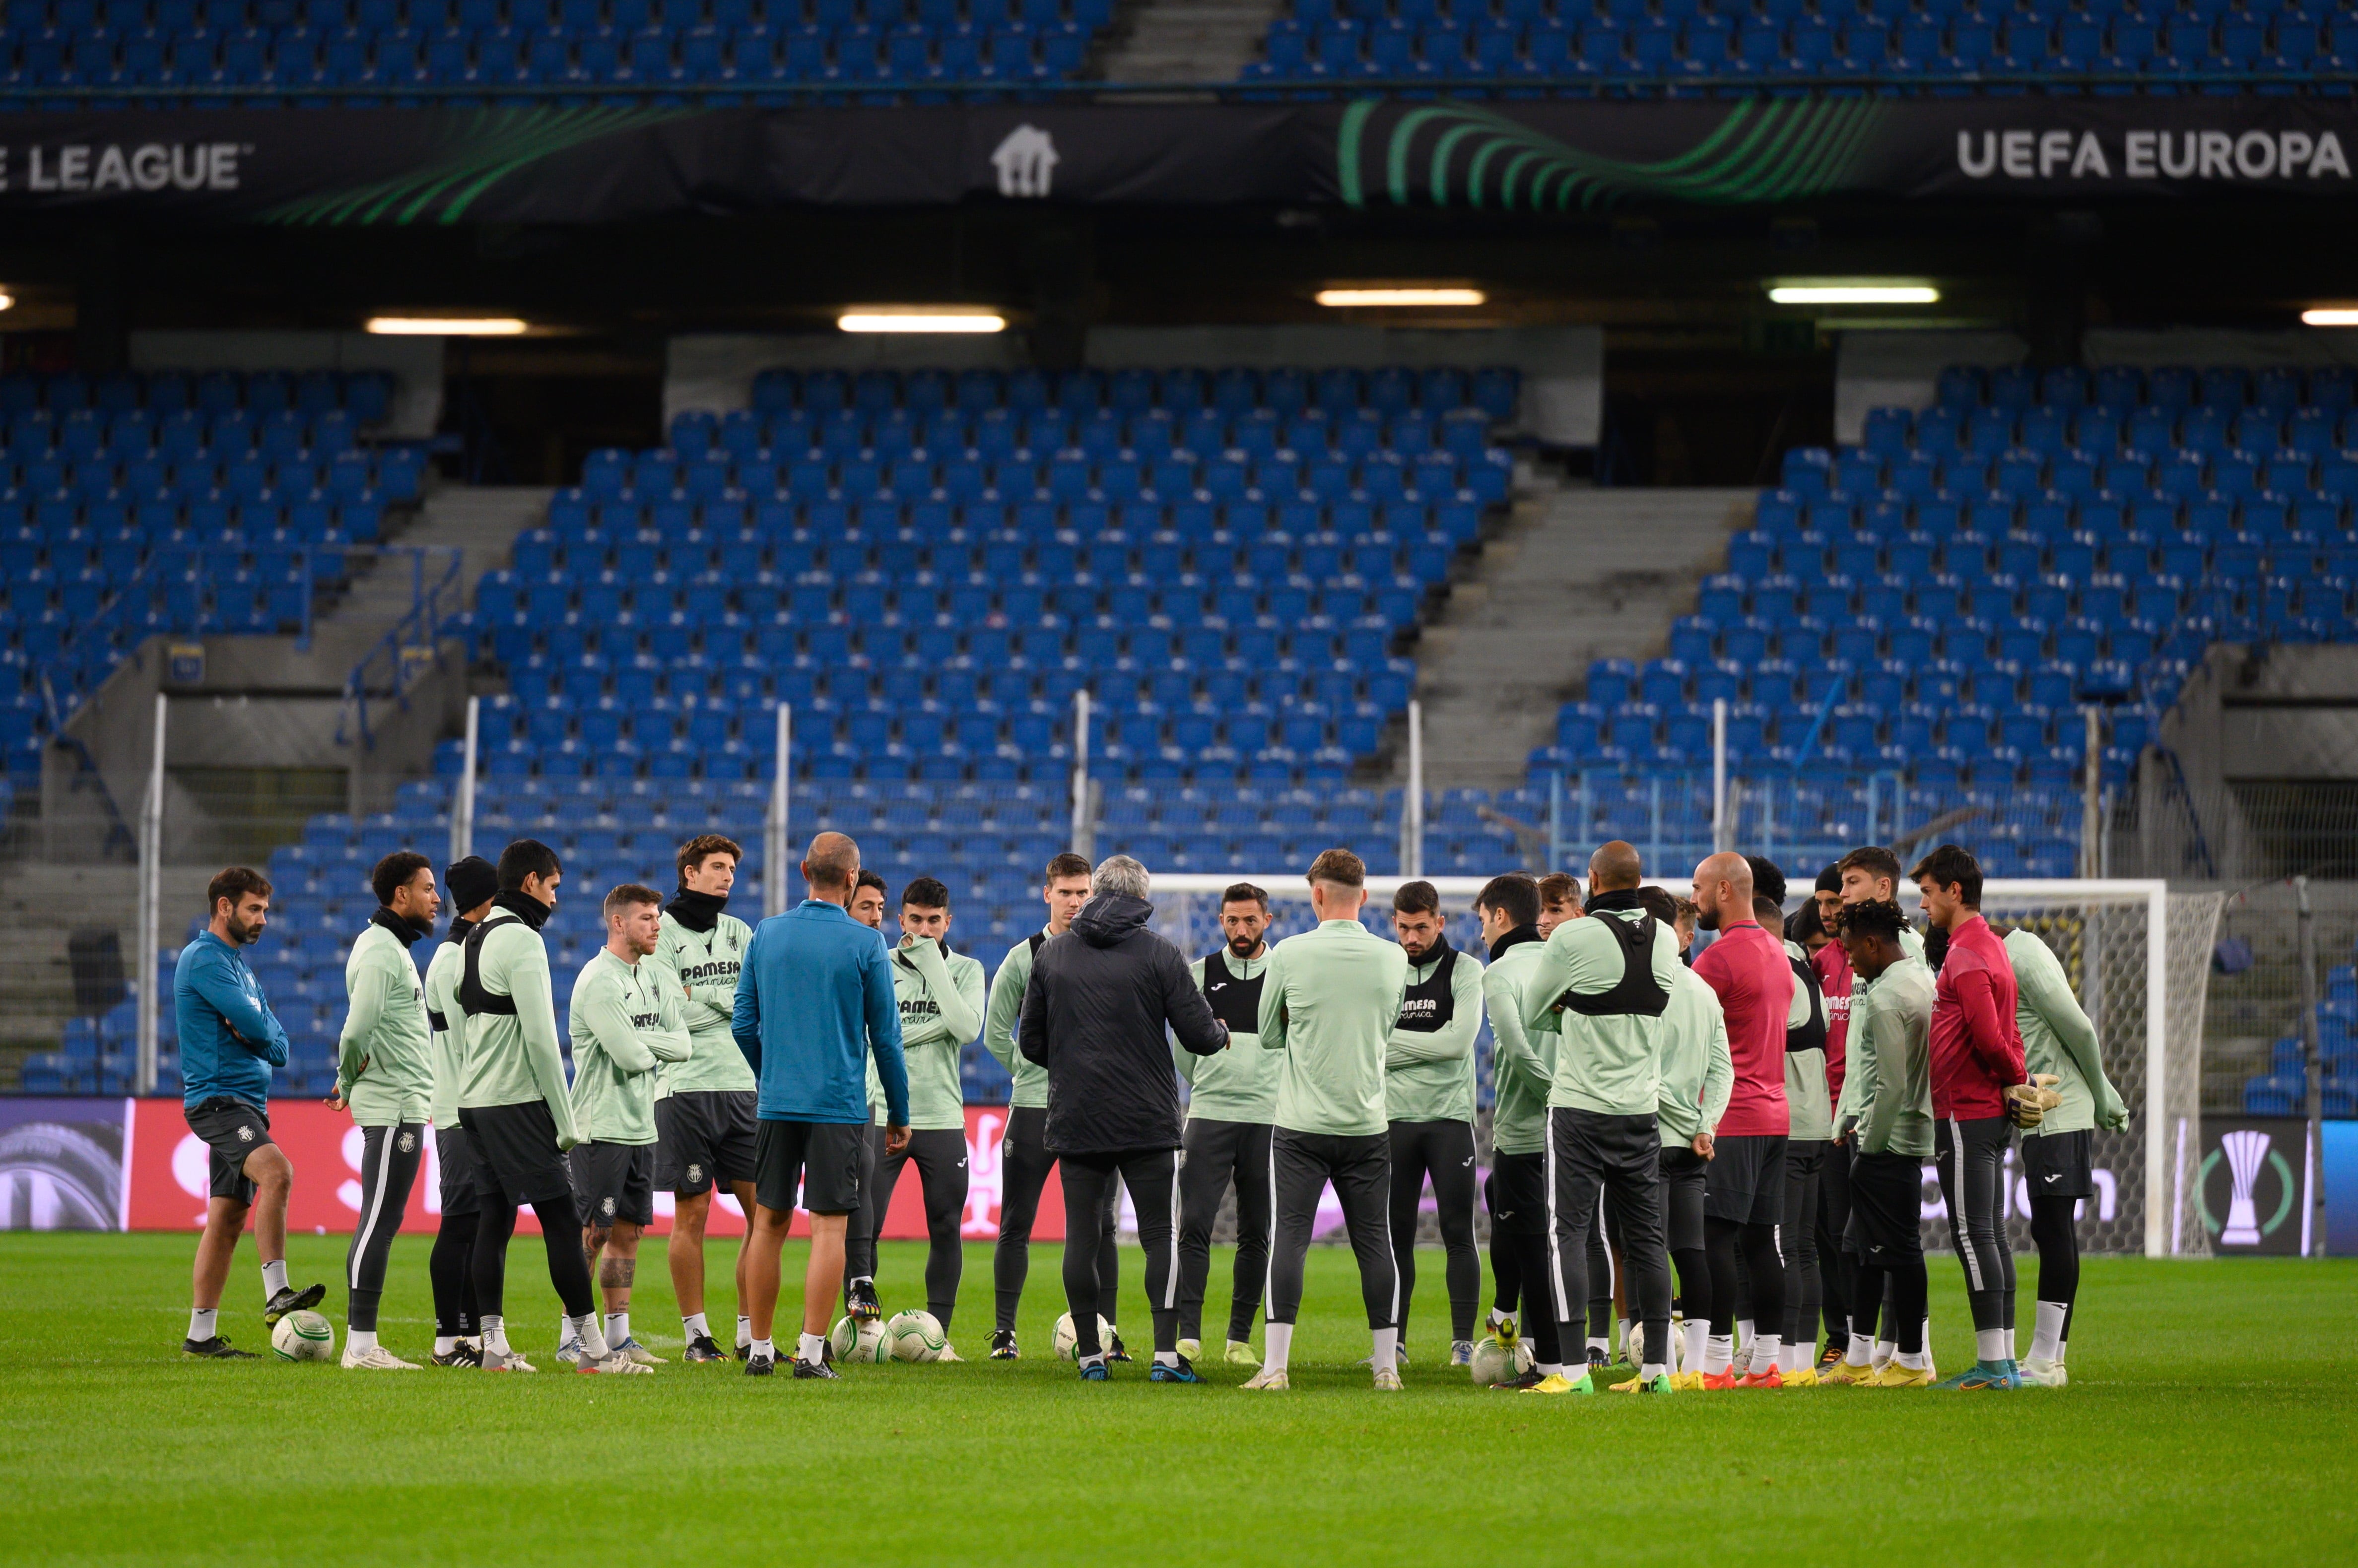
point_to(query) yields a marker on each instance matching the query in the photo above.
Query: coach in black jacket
(1094, 1015)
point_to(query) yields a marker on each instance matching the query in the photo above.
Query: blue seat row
(366, 397)
(574, 16)
(1231, 391)
(999, 433)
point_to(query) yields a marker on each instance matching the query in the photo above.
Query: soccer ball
(303, 1337)
(1065, 1339)
(1495, 1363)
(914, 1337)
(860, 1339)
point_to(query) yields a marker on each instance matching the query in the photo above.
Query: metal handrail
(163, 559)
(418, 628)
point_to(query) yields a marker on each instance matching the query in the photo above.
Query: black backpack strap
(473, 1000)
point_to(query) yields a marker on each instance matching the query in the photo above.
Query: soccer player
(471, 884)
(628, 1021)
(1977, 1058)
(704, 1112)
(941, 999)
(867, 1224)
(1698, 1074)
(1232, 1098)
(1744, 1193)
(519, 1110)
(1023, 1158)
(1559, 902)
(1887, 1116)
(1806, 1145)
(1329, 998)
(1603, 983)
(1429, 1104)
(229, 1041)
(2057, 1039)
(385, 1073)
(815, 998)
(1508, 908)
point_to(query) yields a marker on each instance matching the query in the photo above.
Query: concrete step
(1578, 574)
(1191, 40)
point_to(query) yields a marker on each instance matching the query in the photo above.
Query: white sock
(2062, 1349)
(1764, 1353)
(1387, 1349)
(1913, 1360)
(1498, 1318)
(1166, 1358)
(1601, 1344)
(1548, 1368)
(200, 1322)
(1989, 1343)
(1697, 1330)
(811, 1348)
(745, 1331)
(358, 1339)
(1625, 1327)
(695, 1327)
(1652, 1370)
(1097, 1360)
(444, 1343)
(2009, 1342)
(1743, 1332)
(274, 1279)
(1885, 1349)
(1855, 1354)
(618, 1327)
(565, 1331)
(593, 1341)
(496, 1335)
(1277, 1344)
(2047, 1331)
(764, 1349)
(1718, 1354)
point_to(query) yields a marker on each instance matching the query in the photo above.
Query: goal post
(2123, 943)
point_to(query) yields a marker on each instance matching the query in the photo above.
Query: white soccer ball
(860, 1339)
(916, 1337)
(303, 1337)
(1065, 1339)
(1494, 1363)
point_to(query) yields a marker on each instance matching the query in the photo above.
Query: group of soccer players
(1746, 1132)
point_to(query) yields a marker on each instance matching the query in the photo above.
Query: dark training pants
(389, 1160)
(1836, 1264)
(518, 1163)
(940, 1157)
(1024, 1164)
(867, 1221)
(1446, 1150)
(1972, 1157)
(1506, 1258)
(1616, 1155)
(1805, 1161)
(2055, 1231)
(1216, 1152)
(1301, 1165)
(1152, 1178)
(1885, 1193)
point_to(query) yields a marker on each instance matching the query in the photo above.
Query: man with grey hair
(1094, 1012)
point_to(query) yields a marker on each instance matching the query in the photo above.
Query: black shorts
(232, 1130)
(823, 1158)
(1685, 1175)
(517, 1157)
(707, 1136)
(454, 1157)
(1887, 1207)
(1746, 1179)
(1519, 1194)
(2060, 1164)
(611, 1182)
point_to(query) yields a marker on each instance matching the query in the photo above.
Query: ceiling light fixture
(1853, 294)
(2330, 316)
(1359, 298)
(446, 326)
(920, 319)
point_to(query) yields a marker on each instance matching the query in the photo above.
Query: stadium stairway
(482, 521)
(1578, 574)
(1190, 40)
(42, 908)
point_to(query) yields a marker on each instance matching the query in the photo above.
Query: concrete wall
(415, 363)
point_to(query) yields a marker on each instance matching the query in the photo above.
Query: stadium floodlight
(2330, 316)
(7, 302)
(920, 319)
(1833, 292)
(446, 326)
(1361, 299)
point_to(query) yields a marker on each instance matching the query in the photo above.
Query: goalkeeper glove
(2028, 1104)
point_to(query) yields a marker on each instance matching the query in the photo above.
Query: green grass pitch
(2213, 1418)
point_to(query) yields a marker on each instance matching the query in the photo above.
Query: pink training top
(1754, 981)
(1976, 1044)
(1834, 983)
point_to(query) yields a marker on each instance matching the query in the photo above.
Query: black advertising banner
(548, 163)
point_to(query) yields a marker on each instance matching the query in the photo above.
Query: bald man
(1743, 1191)
(1601, 985)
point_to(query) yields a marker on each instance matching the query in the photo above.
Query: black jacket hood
(1110, 917)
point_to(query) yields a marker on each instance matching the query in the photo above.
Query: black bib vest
(1234, 1000)
(472, 998)
(1639, 994)
(1428, 1007)
(1810, 1036)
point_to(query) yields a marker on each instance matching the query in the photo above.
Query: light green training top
(1609, 1065)
(1238, 1083)
(1428, 1074)
(1698, 1073)
(384, 1027)
(706, 966)
(627, 1022)
(1328, 1000)
(2057, 1038)
(1520, 1061)
(1031, 1089)
(1807, 1099)
(941, 1010)
(1895, 1109)
(449, 1047)
(1846, 1111)
(513, 1058)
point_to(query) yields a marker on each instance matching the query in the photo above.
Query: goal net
(2137, 955)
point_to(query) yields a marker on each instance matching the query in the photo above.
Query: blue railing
(400, 658)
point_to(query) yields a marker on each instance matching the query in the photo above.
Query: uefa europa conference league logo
(2250, 1155)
